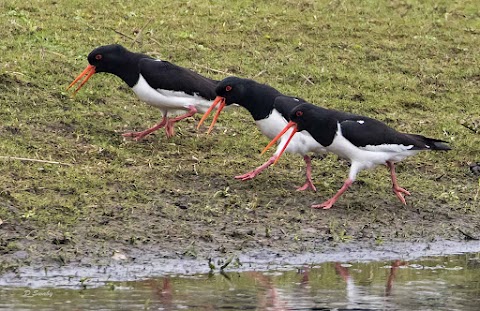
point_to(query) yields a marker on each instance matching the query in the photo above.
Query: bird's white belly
(171, 101)
(375, 155)
(302, 142)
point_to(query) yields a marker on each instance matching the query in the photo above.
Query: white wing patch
(361, 121)
(173, 95)
(387, 148)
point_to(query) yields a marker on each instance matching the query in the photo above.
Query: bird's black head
(234, 90)
(300, 115)
(113, 59)
(108, 58)
(256, 97)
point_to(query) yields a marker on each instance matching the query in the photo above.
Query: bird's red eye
(228, 88)
(98, 56)
(299, 113)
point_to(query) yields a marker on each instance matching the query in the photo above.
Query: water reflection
(359, 296)
(437, 283)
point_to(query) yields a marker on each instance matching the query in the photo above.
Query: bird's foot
(247, 176)
(399, 192)
(308, 185)
(169, 129)
(258, 170)
(325, 205)
(136, 135)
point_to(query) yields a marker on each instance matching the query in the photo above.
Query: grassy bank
(414, 66)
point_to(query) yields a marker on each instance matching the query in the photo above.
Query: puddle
(352, 281)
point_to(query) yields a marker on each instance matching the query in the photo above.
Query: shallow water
(428, 283)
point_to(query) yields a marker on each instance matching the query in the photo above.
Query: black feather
(432, 143)
(257, 98)
(167, 76)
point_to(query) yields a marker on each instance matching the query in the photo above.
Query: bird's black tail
(431, 143)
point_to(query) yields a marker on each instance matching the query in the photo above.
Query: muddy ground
(74, 192)
(215, 216)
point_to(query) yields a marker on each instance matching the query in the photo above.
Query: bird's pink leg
(171, 122)
(399, 191)
(391, 276)
(258, 170)
(309, 182)
(342, 271)
(329, 203)
(139, 135)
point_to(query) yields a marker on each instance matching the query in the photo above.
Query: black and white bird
(364, 141)
(171, 88)
(270, 109)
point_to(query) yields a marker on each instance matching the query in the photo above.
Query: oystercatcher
(364, 141)
(269, 108)
(169, 87)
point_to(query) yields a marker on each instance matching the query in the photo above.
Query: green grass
(412, 65)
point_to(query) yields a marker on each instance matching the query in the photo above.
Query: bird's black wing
(167, 76)
(371, 134)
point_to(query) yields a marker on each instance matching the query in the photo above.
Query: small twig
(211, 69)
(122, 34)
(307, 79)
(33, 160)
(471, 128)
(139, 34)
(155, 41)
(56, 53)
(132, 38)
(259, 74)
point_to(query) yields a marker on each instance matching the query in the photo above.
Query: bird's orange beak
(89, 71)
(218, 100)
(290, 124)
